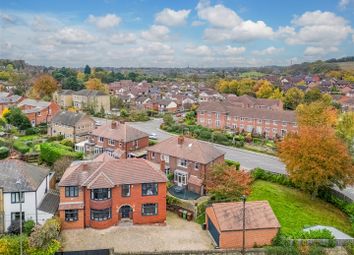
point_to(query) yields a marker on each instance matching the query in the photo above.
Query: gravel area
(178, 234)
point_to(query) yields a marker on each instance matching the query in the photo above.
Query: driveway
(178, 234)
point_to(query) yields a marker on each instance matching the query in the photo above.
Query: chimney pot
(162, 165)
(114, 125)
(180, 139)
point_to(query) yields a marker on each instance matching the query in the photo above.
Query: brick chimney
(180, 139)
(162, 165)
(114, 125)
(84, 167)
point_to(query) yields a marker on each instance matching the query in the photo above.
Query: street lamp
(18, 183)
(243, 197)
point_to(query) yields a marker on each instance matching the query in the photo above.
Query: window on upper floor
(71, 191)
(71, 215)
(126, 190)
(100, 194)
(111, 142)
(149, 209)
(15, 197)
(101, 139)
(149, 189)
(196, 166)
(182, 162)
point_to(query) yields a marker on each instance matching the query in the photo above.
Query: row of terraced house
(264, 117)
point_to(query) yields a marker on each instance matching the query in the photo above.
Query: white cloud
(201, 50)
(197, 23)
(353, 38)
(227, 25)
(156, 33)
(233, 50)
(343, 3)
(316, 28)
(107, 21)
(123, 38)
(159, 49)
(319, 51)
(268, 51)
(169, 17)
(74, 35)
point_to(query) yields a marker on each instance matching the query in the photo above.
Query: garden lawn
(296, 210)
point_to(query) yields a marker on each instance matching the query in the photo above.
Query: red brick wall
(136, 200)
(225, 122)
(127, 147)
(259, 237)
(233, 239)
(44, 115)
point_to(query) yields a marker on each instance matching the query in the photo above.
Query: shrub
(260, 174)
(28, 227)
(55, 138)
(14, 227)
(233, 163)
(4, 152)
(31, 131)
(205, 135)
(152, 142)
(170, 200)
(51, 152)
(42, 236)
(67, 142)
(312, 234)
(349, 246)
(221, 138)
(10, 244)
(20, 146)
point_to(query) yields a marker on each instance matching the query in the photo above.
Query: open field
(346, 65)
(295, 209)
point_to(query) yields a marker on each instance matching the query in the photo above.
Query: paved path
(247, 159)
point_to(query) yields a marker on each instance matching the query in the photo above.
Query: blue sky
(161, 33)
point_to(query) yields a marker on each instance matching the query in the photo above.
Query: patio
(183, 193)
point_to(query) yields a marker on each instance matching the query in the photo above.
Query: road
(247, 159)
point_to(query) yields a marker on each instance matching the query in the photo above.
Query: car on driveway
(153, 136)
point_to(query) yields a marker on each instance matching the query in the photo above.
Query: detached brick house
(39, 111)
(75, 126)
(118, 139)
(225, 224)
(100, 194)
(269, 123)
(188, 159)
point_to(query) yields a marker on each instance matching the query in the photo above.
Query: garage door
(213, 231)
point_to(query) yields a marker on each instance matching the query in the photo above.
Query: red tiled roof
(113, 172)
(259, 215)
(248, 112)
(122, 132)
(71, 205)
(190, 149)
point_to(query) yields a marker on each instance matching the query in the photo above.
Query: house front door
(125, 212)
(180, 178)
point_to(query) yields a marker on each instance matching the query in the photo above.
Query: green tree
(316, 114)
(16, 118)
(72, 83)
(312, 95)
(265, 90)
(87, 70)
(345, 129)
(293, 97)
(168, 119)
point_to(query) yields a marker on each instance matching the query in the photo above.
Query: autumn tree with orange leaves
(96, 84)
(315, 157)
(225, 183)
(44, 86)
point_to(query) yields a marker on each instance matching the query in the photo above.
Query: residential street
(248, 159)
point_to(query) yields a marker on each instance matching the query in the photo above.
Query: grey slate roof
(50, 202)
(68, 118)
(31, 176)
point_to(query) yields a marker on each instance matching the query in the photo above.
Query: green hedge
(233, 163)
(4, 152)
(20, 146)
(312, 234)
(51, 152)
(260, 174)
